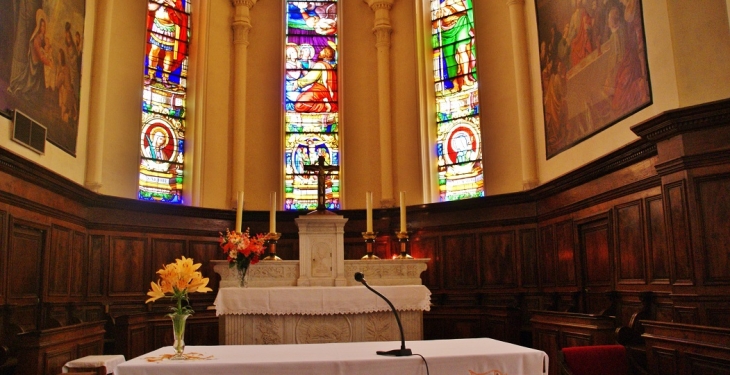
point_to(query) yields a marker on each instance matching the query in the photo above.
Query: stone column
(382, 31)
(524, 94)
(241, 26)
(98, 98)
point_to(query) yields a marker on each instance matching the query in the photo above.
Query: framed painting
(40, 64)
(593, 65)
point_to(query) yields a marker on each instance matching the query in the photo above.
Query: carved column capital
(242, 20)
(380, 4)
(382, 35)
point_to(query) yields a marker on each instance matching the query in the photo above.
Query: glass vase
(243, 277)
(178, 330)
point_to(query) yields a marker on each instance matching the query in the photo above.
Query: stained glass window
(458, 134)
(310, 102)
(164, 97)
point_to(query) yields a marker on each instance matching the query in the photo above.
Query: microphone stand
(403, 351)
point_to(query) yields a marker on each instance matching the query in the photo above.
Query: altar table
(462, 357)
(307, 315)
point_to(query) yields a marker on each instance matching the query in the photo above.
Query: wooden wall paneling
(128, 271)
(713, 196)
(3, 257)
(59, 262)
(203, 252)
(79, 264)
(565, 259)
(428, 247)
(355, 248)
(164, 251)
(460, 265)
(26, 246)
(286, 249)
(529, 275)
(674, 348)
(547, 256)
(679, 233)
(498, 267)
(659, 259)
(97, 249)
(445, 323)
(597, 261)
(383, 247)
(546, 339)
(630, 244)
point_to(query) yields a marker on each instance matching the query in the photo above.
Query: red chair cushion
(597, 360)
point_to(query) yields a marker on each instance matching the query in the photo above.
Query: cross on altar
(319, 169)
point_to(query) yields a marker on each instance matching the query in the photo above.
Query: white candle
(402, 211)
(239, 211)
(272, 213)
(369, 210)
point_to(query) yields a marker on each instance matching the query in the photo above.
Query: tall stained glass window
(458, 140)
(162, 137)
(310, 103)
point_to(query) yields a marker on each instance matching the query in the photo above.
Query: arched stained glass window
(164, 100)
(310, 102)
(458, 134)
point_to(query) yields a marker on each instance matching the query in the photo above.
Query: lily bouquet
(177, 280)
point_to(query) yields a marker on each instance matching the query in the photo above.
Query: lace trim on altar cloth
(424, 306)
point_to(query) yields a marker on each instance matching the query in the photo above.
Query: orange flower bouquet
(242, 250)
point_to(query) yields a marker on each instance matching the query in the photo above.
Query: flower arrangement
(178, 279)
(242, 249)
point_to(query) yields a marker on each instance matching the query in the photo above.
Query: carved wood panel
(97, 248)
(355, 249)
(127, 276)
(459, 261)
(203, 252)
(714, 208)
(630, 243)
(3, 256)
(25, 262)
(565, 246)
(59, 264)
(659, 268)
(165, 251)
(678, 225)
(497, 259)
(528, 259)
(427, 247)
(596, 254)
(79, 264)
(547, 255)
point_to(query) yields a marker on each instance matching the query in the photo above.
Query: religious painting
(40, 64)
(311, 120)
(164, 96)
(458, 129)
(593, 64)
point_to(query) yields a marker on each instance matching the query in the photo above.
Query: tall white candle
(239, 211)
(402, 211)
(272, 213)
(369, 210)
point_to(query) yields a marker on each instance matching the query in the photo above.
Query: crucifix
(319, 169)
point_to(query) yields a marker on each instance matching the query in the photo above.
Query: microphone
(403, 351)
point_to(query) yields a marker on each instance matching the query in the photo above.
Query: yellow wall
(686, 63)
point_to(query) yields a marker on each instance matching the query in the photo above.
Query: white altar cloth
(320, 300)
(464, 356)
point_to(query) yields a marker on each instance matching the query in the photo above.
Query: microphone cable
(424, 362)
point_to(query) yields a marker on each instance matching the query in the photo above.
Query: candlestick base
(369, 238)
(271, 240)
(403, 239)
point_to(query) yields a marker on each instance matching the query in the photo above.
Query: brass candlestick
(271, 240)
(403, 239)
(369, 238)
